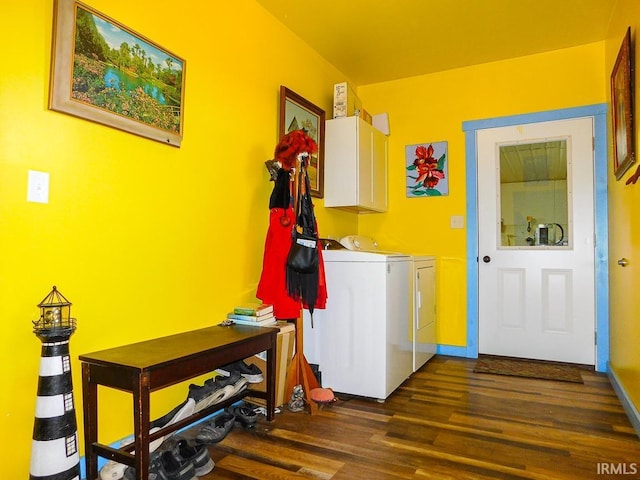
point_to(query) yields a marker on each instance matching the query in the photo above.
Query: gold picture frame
(297, 113)
(622, 109)
(105, 72)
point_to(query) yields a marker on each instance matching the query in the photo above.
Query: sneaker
(251, 372)
(245, 415)
(113, 470)
(177, 468)
(238, 382)
(181, 412)
(209, 394)
(156, 470)
(197, 454)
(165, 466)
(216, 429)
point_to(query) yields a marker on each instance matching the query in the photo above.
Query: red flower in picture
(427, 167)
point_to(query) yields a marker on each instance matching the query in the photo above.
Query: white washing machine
(422, 296)
(363, 340)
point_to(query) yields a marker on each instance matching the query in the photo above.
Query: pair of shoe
(115, 471)
(183, 461)
(216, 390)
(263, 410)
(236, 380)
(252, 372)
(244, 414)
(216, 429)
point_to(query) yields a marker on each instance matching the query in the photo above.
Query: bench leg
(141, 394)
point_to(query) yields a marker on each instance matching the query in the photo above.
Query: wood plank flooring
(445, 423)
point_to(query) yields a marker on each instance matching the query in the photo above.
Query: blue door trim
(599, 114)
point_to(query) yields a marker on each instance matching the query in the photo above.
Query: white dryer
(363, 340)
(424, 308)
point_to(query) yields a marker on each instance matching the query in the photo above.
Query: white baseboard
(629, 407)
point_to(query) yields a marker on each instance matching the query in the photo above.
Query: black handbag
(302, 270)
(303, 255)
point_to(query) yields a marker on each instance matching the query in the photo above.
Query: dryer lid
(351, 256)
(363, 244)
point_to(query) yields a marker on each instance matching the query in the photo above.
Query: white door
(536, 241)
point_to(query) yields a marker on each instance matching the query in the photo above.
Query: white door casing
(538, 302)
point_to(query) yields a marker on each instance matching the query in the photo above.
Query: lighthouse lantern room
(55, 314)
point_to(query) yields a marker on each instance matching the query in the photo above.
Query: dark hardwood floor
(445, 422)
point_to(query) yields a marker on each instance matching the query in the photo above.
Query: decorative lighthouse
(54, 450)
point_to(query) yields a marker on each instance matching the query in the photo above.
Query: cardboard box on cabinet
(284, 355)
(345, 101)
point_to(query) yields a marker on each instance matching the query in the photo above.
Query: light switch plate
(38, 187)
(457, 221)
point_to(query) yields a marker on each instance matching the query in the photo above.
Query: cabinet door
(379, 170)
(355, 166)
(341, 162)
(366, 175)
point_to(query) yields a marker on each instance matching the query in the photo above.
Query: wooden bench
(143, 367)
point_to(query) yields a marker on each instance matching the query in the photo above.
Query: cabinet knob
(623, 262)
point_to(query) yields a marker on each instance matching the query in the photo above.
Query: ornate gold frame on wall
(622, 109)
(90, 80)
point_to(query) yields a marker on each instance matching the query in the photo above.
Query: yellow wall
(144, 239)
(431, 108)
(624, 228)
(148, 240)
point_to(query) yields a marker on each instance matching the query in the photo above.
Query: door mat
(522, 367)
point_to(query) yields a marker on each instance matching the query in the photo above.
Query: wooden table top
(150, 354)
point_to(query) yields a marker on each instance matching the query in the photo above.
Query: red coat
(272, 287)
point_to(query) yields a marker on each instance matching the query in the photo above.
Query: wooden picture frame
(105, 72)
(622, 109)
(297, 113)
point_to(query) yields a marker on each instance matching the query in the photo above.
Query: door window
(533, 196)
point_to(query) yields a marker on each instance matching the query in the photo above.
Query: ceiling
(533, 162)
(373, 41)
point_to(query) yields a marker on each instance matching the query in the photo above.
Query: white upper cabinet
(355, 176)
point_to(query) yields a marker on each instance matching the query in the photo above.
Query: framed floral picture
(426, 167)
(105, 72)
(297, 113)
(622, 109)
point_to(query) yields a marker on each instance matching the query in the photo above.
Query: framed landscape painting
(104, 72)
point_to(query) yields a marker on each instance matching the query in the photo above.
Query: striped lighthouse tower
(54, 449)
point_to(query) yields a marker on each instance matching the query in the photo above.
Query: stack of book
(256, 314)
